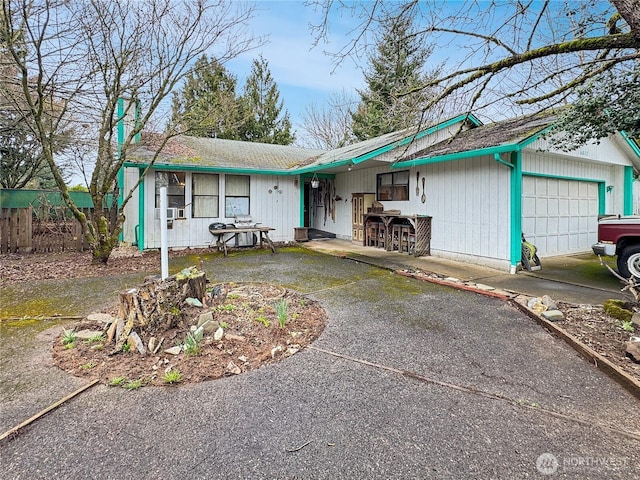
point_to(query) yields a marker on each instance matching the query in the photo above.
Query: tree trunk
(156, 305)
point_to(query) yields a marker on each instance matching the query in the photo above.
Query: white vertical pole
(164, 244)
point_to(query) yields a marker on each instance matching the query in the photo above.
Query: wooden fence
(21, 231)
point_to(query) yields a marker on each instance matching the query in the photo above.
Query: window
(393, 186)
(174, 181)
(205, 195)
(236, 200)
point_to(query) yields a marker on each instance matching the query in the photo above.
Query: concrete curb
(621, 377)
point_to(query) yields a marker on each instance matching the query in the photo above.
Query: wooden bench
(234, 232)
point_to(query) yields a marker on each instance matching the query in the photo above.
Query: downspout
(301, 183)
(141, 212)
(627, 208)
(516, 210)
(515, 241)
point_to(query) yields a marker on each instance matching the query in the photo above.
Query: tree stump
(156, 305)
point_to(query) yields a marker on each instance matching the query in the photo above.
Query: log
(156, 305)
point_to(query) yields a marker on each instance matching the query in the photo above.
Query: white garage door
(559, 216)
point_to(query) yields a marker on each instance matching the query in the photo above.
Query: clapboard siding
(278, 209)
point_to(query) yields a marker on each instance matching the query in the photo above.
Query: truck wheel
(629, 262)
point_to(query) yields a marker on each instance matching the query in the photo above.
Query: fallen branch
(42, 413)
(630, 283)
(300, 447)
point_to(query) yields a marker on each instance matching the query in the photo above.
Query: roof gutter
(210, 169)
(457, 156)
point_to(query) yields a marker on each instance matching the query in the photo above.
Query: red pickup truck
(620, 236)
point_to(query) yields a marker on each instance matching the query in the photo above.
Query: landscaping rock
(535, 304)
(87, 334)
(134, 340)
(177, 350)
(481, 286)
(219, 334)
(553, 315)
(635, 319)
(549, 303)
(194, 302)
(152, 344)
(232, 369)
(112, 331)
(633, 349)
(101, 318)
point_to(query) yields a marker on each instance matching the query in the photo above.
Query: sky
(303, 74)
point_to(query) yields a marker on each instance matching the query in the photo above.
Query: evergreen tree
(206, 106)
(264, 121)
(393, 99)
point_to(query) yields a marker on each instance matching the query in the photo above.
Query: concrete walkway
(408, 380)
(573, 278)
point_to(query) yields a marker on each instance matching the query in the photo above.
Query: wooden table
(421, 226)
(234, 232)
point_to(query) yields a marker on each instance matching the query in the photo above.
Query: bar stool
(372, 234)
(382, 236)
(404, 238)
(396, 237)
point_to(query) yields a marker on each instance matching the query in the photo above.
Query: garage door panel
(563, 214)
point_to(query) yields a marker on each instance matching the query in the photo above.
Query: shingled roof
(508, 132)
(221, 153)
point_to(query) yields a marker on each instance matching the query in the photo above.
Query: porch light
(315, 183)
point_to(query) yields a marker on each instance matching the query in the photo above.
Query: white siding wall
(558, 165)
(131, 176)
(607, 151)
(468, 200)
(278, 209)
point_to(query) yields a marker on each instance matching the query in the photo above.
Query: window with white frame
(393, 186)
(205, 195)
(174, 181)
(236, 200)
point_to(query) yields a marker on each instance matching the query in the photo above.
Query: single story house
(481, 186)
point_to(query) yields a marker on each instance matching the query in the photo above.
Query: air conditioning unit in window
(172, 213)
(180, 213)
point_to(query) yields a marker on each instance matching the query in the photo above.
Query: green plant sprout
(133, 384)
(627, 326)
(193, 342)
(87, 366)
(96, 338)
(172, 376)
(116, 381)
(263, 320)
(68, 336)
(282, 311)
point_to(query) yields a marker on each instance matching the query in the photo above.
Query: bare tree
(87, 57)
(517, 55)
(329, 126)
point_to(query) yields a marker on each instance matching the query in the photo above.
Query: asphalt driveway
(408, 380)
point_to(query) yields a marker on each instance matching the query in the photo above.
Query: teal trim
(497, 158)
(534, 137)
(628, 191)
(631, 142)
(137, 114)
(417, 136)
(561, 177)
(191, 168)
(120, 114)
(456, 156)
(318, 175)
(141, 212)
(601, 198)
(316, 168)
(120, 196)
(516, 209)
(301, 184)
(601, 185)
